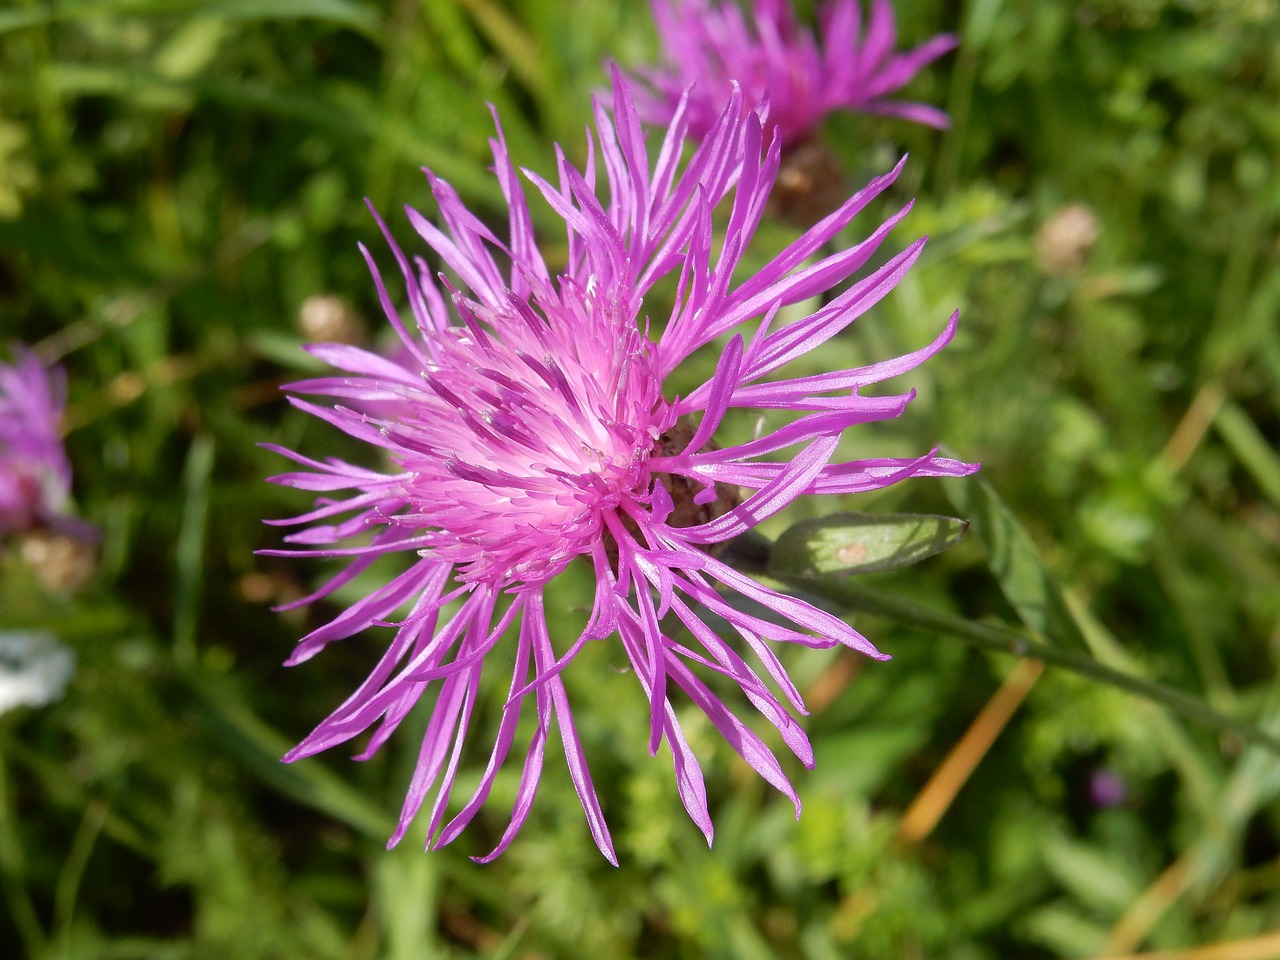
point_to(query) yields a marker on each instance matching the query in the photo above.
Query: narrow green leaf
(344, 12)
(844, 544)
(357, 16)
(1251, 448)
(30, 928)
(191, 48)
(751, 554)
(1097, 877)
(23, 17)
(259, 747)
(189, 550)
(1012, 556)
(408, 887)
(1053, 615)
(1001, 639)
(522, 51)
(284, 350)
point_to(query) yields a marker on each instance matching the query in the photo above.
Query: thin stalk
(750, 553)
(1002, 639)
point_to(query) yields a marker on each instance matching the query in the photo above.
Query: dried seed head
(327, 318)
(63, 563)
(811, 184)
(1064, 241)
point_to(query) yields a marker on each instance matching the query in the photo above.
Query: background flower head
(34, 669)
(782, 65)
(35, 475)
(527, 424)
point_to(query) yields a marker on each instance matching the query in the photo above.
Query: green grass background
(177, 177)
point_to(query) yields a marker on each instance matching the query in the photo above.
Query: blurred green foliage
(179, 178)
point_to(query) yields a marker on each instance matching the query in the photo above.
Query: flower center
(532, 424)
(687, 512)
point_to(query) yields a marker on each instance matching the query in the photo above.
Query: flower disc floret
(533, 420)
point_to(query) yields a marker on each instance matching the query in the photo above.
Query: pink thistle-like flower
(710, 44)
(35, 475)
(526, 427)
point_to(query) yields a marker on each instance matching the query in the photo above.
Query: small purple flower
(709, 44)
(526, 427)
(1107, 788)
(35, 475)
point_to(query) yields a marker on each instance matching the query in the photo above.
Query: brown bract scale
(686, 512)
(1065, 240)
(810, 184)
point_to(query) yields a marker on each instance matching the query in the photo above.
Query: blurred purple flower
(526, 425)
(1107, 788)
(35, 475)
(709, 44)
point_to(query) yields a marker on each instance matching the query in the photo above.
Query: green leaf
(1014, 559)
(189, 549)
(507, 35)
(844, 544)
(850, 595)
(1099, 878)
(356, 16)
(1251, 448)
(353, 15)
(258, 747)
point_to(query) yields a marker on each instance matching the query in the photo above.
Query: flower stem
(998, 638)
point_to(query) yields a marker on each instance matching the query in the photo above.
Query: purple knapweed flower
(526, 426)
(710, 44)
(35, 475)
(1107, 788)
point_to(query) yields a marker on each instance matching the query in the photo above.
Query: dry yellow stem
(1264, 947)
(932, 802)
